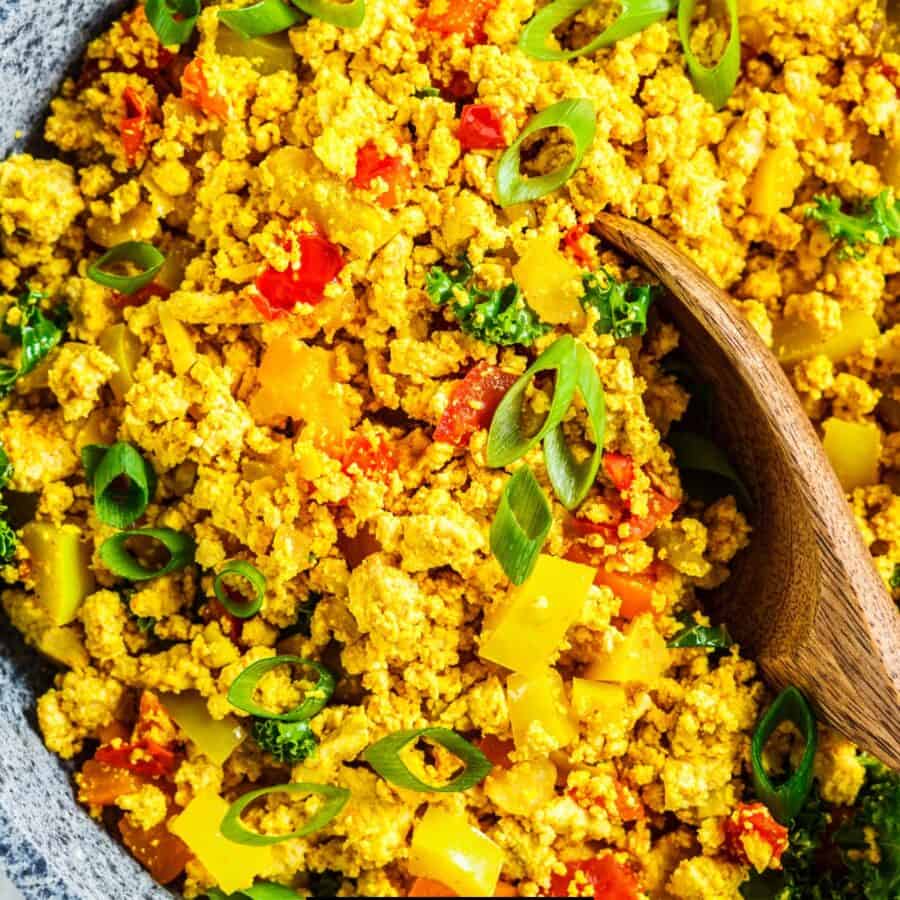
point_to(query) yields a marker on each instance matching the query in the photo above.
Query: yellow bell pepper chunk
(215, 738)
(233, 866)
(594, 697)
(526, 632)
(854, 449)
(446, 848)
(540, 700)
(795, 340)
(124, 348)
(60, 567)
(777, 177)
(641, 656)
(550, 281)
(182, 349)
(64, 646)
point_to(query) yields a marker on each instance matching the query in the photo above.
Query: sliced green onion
(788, 798)
(707, 636)
(577, 117)
(262, 890)
(571, 479)
(161, 14)
(697, 454)
(91, 457)
(717, 83)
(384, 758)
(119, 504)
(243, 569)
(344, 15)
(240, 694)
(635, 16)
(507, 440)
(233, 829)
(521, 525)
(145, 256)
(261, 19)
(120, 561)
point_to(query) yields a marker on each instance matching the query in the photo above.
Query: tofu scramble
(264, 319)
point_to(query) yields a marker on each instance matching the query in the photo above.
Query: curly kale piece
(875, 221)
(288, 742)
(621, 306)
(496, 317)
(35, 333)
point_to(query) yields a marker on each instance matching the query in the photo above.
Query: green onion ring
(579, 118)
(91, 457)
(695, 453)
(240, 694)
(521, 525)
(121, 562)
(248, 572)
(716, 84)
(506, 442)
(344, 15)
(143, 255)
(384, 758)
(261, 19)
(786, 800)
(635, 16)
(571, 479)
(121, 508)
(262, 890)
(161, 15)
(233, 829)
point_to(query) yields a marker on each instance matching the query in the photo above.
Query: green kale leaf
(35, 333)
(875, 221)
(496, 317)
(288, 742)
(621, 307)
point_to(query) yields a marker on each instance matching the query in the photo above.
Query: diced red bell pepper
(753, 820)
(619, 469)
(370, 459)
(635, 591)
(195, 90)
(659, 507)
(162, 853)
(464, 17)
(279, 292)
(132, 125)
(142, 296)
(496, 750)
(473, 403)
(144, 758)
(154, 722)
(605, 876)
(573, 243)
(370, 164)
(480, 128)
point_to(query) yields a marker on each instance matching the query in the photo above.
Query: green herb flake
(500, 317)
(424, 93)
(875, 221)
(145, 623)
(35, 333)
(621, 307)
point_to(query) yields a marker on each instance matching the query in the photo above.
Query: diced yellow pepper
(795, 340)
(777, 177)
(446, 848)
(215, 738)
(641, 656)
(540, 698)
(854, 449)
(64, 646)
(526, 631)
(550, 281)
(523, 788)
(60, 566)
(593, 697)
(181, 345)
(124, 348)
(232, 866)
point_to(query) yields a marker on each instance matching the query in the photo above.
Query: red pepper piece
(572, 241)
(133, 124)
(464, 17)
(480, 128)
(619, 469)
(754, 820)
(473, 403)
(320, 263)
(659, 508)
(370, 164)
(145, 758)
(606, 876)
(368, 458)
(635, 591)
(195, 90)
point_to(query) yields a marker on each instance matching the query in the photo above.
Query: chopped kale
(621, 306)
(35, 333)
(875, 221)
(288, 742)
(496, 317)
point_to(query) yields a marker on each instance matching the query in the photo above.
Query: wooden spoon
(805, 598)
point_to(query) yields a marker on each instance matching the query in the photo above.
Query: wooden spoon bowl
(804, 599)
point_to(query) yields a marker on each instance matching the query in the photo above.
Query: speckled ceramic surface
(48, 846)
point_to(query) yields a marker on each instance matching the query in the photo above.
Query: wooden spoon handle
(805, 598)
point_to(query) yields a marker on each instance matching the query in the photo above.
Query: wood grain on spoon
(804, 598)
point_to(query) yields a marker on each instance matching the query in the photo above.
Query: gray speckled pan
(49, 846)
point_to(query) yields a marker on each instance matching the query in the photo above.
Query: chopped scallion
(521, 525)
(117, 558)
(261, 19)
(241, 609)
(144, 256)
(172, 20)
(123, 482)
(715, 83)
(344, 15)
(240, 694)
